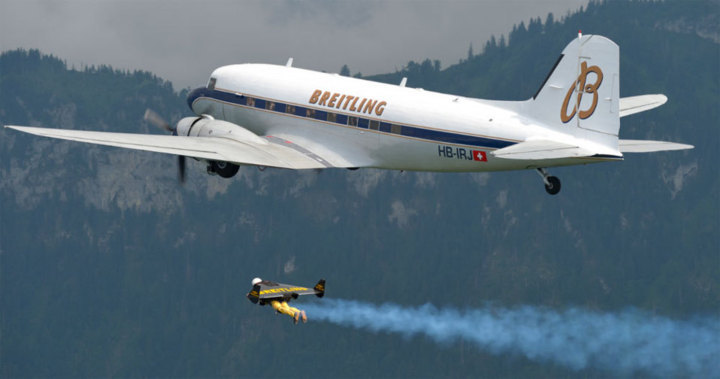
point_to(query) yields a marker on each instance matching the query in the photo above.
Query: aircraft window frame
(352, 121)
(374, 125)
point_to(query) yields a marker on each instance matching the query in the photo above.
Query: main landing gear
(224, 169)
(552, 183)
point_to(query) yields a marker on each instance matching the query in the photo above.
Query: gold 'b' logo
(582, 88)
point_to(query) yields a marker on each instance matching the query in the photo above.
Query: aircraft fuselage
(372, 124)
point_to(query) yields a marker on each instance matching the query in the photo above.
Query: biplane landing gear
(552, 183)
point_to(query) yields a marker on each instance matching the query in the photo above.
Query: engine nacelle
(207, 126)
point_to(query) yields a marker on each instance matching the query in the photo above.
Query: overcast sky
(183, 40)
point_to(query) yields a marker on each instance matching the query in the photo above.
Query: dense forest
(109, 267)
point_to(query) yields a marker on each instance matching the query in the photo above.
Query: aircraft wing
(643, 146)
(541, 149)
(637, 104)
(260, 151)
(268, 290)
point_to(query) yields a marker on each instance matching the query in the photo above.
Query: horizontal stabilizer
(642, 146)
(541, 149)
(637, 104)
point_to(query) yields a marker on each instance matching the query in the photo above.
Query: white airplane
(281, 116)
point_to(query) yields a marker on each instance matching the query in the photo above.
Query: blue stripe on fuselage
(407, 130)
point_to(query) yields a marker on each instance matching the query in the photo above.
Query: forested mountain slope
(109, 267)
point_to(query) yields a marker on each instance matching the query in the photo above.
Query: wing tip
(21, 127)
(683, 146)
(649, 146)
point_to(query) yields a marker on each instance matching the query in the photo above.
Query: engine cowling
(206, 126)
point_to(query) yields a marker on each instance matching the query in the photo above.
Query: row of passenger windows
(341, 119)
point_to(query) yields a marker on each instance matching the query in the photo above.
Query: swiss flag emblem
(479, 156)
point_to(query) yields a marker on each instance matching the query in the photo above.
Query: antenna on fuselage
(289, 62)
(403, 82)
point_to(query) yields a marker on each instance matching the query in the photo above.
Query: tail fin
(581, 94)
(254, 294)
(320, 288)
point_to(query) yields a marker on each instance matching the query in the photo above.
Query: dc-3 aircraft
(278, 295)
(281, 116)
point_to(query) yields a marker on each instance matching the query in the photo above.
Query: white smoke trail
(623, 342)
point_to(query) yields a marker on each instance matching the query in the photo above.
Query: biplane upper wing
(268, 290)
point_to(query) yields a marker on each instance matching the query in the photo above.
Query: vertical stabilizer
(582, 92)
(254, 294)
(320, 288)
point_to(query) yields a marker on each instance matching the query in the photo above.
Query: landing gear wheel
(224, 169)
(553, 185)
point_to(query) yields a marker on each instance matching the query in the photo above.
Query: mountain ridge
(110, 268)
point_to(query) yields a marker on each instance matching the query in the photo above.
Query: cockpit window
(211, 83)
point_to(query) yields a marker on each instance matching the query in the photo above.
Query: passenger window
(280, 107)
(396, 129)
(250, 102)
(309, 112)
(331, 117)
(341, 119)
(269, 105)
(374, 124)
(290, 109)
(321, 115)
(352, 121)
(259, 103)
(363, 123)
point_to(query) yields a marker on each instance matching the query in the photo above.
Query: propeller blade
(181, 168)
(152, 117)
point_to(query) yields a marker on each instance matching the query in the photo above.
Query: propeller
(152, 117)
(181, 168)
